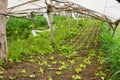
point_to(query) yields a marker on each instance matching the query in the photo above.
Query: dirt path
(86, 65)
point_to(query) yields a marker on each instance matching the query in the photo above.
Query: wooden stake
(116, 25)
(77, 21)
(113, 28)
(3, 41)
(68, 22)
(32, 17)
(51, 24)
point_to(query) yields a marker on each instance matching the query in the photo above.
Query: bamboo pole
(3, 41)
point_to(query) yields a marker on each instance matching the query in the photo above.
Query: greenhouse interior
(59, 40)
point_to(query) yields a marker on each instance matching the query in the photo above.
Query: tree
(3, 43)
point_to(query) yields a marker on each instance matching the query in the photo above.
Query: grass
(111, 49)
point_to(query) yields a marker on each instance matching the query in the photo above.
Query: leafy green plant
(78, 70)
(32, 76)
(68, 51)
(73, 32)
(76, 77)
(72, 61)
(51, 58)
(62, 67)
(54, 62)
(58, 72)
(23, 71)
(41, 70)
(101, 73)
(1, 77)
(1, 74)
(50, 78)
(31, 60)
(12, 77)
(82, 66)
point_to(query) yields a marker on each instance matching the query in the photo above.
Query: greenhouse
(59, 40)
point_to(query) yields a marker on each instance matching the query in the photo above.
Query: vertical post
(3, 41)
(68, 22)
(116, 25)
(110, 26)
(77, 20)
(51, 24)
(32, 17)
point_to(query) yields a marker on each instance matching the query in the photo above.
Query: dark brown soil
(51, 63)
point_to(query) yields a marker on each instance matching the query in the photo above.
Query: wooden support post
(68, 22)
(77, 20)
(114, 29)
(3, 41)
(110, 27)
(51, 23)
(32, 17)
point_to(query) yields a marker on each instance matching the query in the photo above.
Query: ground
(85, 65)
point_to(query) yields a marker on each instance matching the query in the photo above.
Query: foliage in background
(21, 28)
(22, 44)
(111, 49)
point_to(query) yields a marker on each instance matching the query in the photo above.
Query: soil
(31, 69)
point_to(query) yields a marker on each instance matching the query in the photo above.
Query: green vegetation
(22, 46)
(111, 50)
(21, 42)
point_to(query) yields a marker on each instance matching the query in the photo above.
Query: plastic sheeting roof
(25, 5)
(109, 8)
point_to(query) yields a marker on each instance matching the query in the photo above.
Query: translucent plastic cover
(109, 8)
